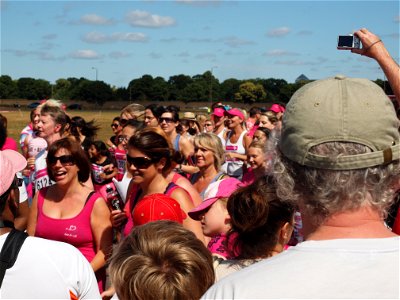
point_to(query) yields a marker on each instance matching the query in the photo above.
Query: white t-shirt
(342, 268)
(49, 269)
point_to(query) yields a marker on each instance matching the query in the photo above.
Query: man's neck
(361, 223)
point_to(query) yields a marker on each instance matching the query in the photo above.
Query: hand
(118, 218)
(108, 168)
(371, 43)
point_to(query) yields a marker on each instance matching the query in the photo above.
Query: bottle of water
(113, 198)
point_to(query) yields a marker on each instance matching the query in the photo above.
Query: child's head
(98, 149)
(212, 211)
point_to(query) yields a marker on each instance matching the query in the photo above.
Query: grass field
(17, 120)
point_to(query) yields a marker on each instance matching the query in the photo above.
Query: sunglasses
(114, 125)
(207, 124)
(123, 121)
(141, 162)
(167, 120)
(65, 160)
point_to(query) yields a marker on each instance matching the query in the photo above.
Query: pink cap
(219, 112)
(216, 190)
(10, 163)
(156, 207)
(235, 112)
(276, 108)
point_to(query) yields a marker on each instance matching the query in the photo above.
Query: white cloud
(278, 32)
(85, 54)
(145, 19)
(96, 20)
(97, 37)
(129, 36)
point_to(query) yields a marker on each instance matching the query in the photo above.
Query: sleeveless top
(234, 166)
(176, 142)
(76, 231)
(222, 137)
(220, 175)
(133, 199)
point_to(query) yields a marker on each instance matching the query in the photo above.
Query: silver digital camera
(348, 42)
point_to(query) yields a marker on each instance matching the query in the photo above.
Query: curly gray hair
(323, 192)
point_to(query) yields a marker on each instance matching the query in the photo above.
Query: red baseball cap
(156, 207)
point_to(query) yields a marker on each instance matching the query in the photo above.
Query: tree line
(198, 88)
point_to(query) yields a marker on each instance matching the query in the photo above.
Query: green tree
(33, 89)
(249, 93)
(229, 88)
(8, 88)
(95, 92)
(62, 89)
(176, 85)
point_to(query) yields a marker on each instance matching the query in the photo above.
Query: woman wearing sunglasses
(70, 211)
(149, 161)
(170, 124)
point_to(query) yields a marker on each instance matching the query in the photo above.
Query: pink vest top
(75, 231)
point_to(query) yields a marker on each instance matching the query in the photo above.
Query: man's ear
(286, 232)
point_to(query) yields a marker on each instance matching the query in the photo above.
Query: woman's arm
(186, 204)
(32, 218)
(102, 233)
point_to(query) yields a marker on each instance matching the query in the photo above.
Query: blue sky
(124, 40)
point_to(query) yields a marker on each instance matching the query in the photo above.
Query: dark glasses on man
(141, 162)
(166, 120)
(65, 160)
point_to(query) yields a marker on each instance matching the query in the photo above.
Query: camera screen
(345, 41)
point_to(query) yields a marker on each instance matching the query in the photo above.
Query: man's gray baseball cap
(340, 109)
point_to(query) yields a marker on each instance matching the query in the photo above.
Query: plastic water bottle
(113, 198)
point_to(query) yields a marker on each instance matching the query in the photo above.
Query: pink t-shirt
(76, 231)
(10, 144)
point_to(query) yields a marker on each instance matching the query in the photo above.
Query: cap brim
(19, 162)
(196, 212)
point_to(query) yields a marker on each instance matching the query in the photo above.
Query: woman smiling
(69, 211)
(149, 161)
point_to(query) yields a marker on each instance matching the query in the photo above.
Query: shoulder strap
(10, 250)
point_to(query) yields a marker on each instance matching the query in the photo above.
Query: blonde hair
(136, 111)
(161, 260)
(213, 143)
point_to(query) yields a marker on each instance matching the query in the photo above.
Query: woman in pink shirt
(70, 211)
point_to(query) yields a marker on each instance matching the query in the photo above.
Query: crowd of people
(273, 202)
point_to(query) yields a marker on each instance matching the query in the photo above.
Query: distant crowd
(295, 201)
